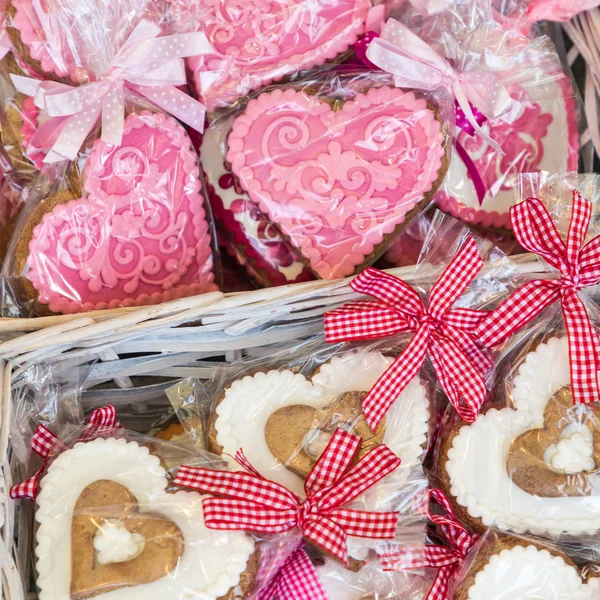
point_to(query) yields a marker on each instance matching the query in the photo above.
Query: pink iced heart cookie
(338, 184)
(250, 237)
(141, 235)
(260, 41)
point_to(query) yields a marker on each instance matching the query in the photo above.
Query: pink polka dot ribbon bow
(249, 502)
(578, 264)
(444, 333)
(147, 64)
(415, 64)
(102, 422)
(296, 578)
(447, 559)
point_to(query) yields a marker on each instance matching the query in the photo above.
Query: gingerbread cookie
(250, 237)
(533, 466)
(141, 234)
(21, 119)
(514, 569)
(266, 41)
(108, 527)
(338, 184)
(283, 421)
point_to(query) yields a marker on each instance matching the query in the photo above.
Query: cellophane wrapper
(337, 164)
(517, 566)
(281, 409)
(529, 462)
(122, 226)
(540, 134)
(109, 518)
(265, 41)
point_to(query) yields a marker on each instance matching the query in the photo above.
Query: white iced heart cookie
(109, 529)
(524, 572)
(533, 467)
(303, 413)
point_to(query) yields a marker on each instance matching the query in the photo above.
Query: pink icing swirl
(140, 237)
(260, 41)
(337, 183)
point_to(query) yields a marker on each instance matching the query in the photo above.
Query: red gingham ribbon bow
(446, 559)
(443, 333)
(102, 420)
(579, 267)
(297, 579)
(253, 503)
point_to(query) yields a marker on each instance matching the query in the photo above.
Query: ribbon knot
(102, 421)
(250, 502)
(146, 64)
(579, 266)
(442, 332)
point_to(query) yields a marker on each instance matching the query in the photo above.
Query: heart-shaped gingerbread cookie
(339, 184)
(516, 569)
(261, 41)
(140, 236)
(533, 466)
(563, 458)
(108, 528)
(283, 421)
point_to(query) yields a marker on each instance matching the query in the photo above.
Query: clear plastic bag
(339, 199)
(264, 42)
(501, 567)
(282, 411)
(530, 462)
(127, 225)
(541, 134)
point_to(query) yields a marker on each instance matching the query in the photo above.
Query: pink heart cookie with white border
(140, 237)
(340, 184)
(259, 41)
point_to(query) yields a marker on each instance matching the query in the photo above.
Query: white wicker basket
(188, 337)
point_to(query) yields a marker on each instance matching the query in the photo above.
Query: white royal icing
(477, 461)
(528, 573)
(114, 543)
(575, 451)
(247, 405)
(211, 563)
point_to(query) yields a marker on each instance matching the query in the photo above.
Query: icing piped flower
(114, 543)
(574, 453)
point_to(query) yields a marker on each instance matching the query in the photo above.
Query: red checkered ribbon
(297, 579)
(579, 267)
(101, 422)
(254, 503)
(443, 333)
(447, 559)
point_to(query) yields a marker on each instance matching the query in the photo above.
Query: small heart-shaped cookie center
(563, 458)
(116, 546)
(297, 435)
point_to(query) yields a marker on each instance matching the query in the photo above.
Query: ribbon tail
(472, 171)
(393, 382)
(582, 339)
(73, 134)
(113, 115)
(329, 536)
(463, 102)
(441, 585)
(178, 103)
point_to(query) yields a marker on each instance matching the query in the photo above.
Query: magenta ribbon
(147, 65)
(467, 127)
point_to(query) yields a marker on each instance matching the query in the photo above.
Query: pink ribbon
(296, 579)
(146, 64)
(415, 64)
